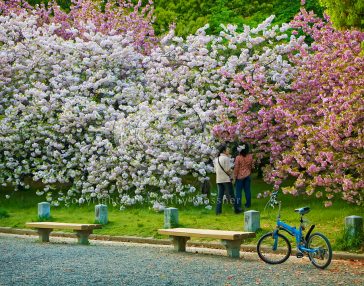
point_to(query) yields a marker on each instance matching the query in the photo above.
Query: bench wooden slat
(207, 233)
(60, 225)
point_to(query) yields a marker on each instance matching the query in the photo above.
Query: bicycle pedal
(299, 255)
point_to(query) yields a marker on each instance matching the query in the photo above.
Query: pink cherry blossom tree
(327, 113)
(311, 125)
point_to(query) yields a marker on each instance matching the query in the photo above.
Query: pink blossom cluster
(311, 126)
(118, 17)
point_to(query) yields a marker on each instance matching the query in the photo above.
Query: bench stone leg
(232, 247)
(179, 242)
(82, 236)
(44, 234)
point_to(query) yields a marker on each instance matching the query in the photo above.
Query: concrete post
(82, 236)
(179, 243)
(44, 210)
(44, 234)
(101, 214)
(170, 217)
(251, 220)
(232, 247)
(354, 225)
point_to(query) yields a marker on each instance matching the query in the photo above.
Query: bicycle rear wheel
(322, 257)
(268, 254)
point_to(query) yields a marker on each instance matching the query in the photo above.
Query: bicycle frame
(291, 230)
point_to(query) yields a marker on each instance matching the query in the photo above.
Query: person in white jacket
(224, 174)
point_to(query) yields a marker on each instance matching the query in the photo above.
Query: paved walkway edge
(247, 248)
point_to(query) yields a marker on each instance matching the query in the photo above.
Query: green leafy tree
(193, 14)
(345, 13)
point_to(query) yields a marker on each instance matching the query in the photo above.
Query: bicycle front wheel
(321, 258)
(270, 254)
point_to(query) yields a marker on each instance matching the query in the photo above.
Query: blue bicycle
(275, 248)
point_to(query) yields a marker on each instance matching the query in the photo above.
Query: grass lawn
(144, 222)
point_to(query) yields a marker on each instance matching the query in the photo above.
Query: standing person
(223, 172)
(242, 170)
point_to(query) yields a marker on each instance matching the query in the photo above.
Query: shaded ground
(23, 261)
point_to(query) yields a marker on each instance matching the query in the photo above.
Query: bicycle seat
(303, 210)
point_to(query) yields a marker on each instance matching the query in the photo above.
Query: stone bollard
(44, 210)
(251, 220)
(170, 217)
(354, 225)
(101, 214)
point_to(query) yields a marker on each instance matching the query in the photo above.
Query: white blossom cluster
(106, 120)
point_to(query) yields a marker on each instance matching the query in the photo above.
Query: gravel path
(23, 261)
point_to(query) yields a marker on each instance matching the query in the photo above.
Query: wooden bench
(230, 239)
(45, 228)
